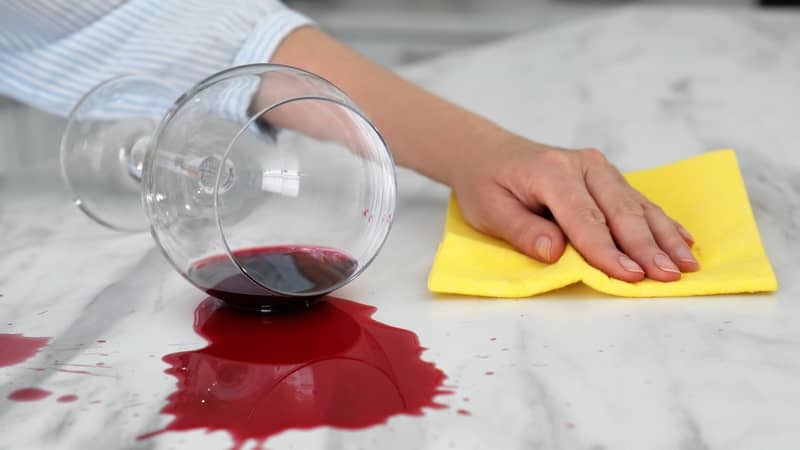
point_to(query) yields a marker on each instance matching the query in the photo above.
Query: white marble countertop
(581, 370)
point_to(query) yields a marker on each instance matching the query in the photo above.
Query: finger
(528, 232)
(668, 236)
(687, 237)
(626, 219)
(585, 226)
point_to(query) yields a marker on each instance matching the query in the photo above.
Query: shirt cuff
(259, 47)
(268, 34)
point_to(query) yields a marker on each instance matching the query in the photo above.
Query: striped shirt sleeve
(178, 41)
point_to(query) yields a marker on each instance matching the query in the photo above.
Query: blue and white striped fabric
(54, 51)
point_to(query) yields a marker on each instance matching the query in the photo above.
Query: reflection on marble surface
(572, 369)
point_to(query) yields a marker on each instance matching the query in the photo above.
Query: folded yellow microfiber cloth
(706, 194)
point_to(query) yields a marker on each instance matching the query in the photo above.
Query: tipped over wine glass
(264, 185)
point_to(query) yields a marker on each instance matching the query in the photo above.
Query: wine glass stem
(135, 157)
(203, 170)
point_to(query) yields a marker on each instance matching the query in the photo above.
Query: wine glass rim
(386, 155)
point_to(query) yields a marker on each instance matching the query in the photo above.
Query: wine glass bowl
(263, 185)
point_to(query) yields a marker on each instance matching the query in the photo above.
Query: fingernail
(543, 244)
(683, 254)
(629, 264)
(664, 263)
(686, 235)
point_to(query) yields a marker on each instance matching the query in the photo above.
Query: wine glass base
(104, 144)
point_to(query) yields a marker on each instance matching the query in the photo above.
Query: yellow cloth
(705, 194)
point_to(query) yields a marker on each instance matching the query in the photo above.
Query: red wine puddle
(329, 365)
(16, 348)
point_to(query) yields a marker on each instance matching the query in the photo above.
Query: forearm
(426, 133)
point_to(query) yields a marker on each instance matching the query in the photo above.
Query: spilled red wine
(331, 364)
(286, 270)
(28, 395)
(67, 398)
(16, 348)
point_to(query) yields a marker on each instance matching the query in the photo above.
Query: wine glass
(264, 185)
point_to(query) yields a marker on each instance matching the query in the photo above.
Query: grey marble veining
(582, 370)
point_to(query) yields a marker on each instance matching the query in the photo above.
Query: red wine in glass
(293, 270)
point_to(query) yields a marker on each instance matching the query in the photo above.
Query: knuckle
(481, 224)
(557, 157)
(590, 240)
(673, 241)
(479, 215)
(591, 216)
(651, 208)
(639, 245)
(594, 156)
(522, 236)
(668, 237)
(627, 208)
(481, 221)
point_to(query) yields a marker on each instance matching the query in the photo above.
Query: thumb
(531, 234)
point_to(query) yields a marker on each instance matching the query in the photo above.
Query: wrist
(476, 150)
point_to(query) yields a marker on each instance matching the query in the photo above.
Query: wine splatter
(28, 395)
(329, 365)
(16, 348)
(77, 372)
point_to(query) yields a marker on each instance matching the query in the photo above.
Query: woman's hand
(514, 190)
